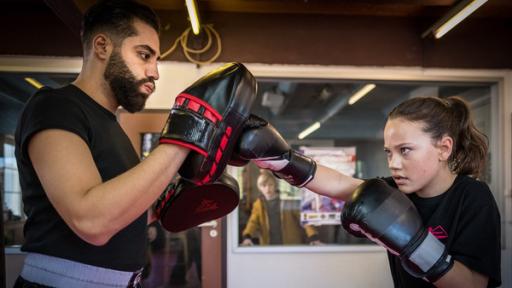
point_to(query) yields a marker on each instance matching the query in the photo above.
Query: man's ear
(445, 146)
(102, 46)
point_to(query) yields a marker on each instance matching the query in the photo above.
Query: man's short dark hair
(115, 18)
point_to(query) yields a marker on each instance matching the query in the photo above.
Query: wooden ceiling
(400, 8)
(380, 32)
(392, 28)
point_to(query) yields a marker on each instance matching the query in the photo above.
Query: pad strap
(191, 123)
(188, 129)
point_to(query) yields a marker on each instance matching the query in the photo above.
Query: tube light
(361, 93)
(34, 82)
(193, 15)
(457, 18)
(309, 130)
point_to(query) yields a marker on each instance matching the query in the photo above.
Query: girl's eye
(404, 150)
(387, 152)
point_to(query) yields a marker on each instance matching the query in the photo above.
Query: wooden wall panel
(294, 39)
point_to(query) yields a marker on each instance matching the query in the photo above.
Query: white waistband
(59, 272)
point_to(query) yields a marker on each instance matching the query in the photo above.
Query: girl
(435, 154)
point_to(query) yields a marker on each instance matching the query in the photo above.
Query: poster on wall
(320, 210)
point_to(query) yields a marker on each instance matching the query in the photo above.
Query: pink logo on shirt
(438, 232)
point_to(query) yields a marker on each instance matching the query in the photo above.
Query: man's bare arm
(94, 210)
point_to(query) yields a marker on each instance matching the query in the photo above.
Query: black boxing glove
(208, 118)
(386, 216)
(263, 144)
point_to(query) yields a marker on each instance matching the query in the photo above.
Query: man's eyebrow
(151, 50)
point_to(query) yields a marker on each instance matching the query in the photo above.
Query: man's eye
(144, 55)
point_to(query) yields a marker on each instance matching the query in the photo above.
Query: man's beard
(123, 84)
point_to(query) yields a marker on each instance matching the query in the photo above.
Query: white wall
(174, 78)
(304, 266)
(309, 269)
(505, 130)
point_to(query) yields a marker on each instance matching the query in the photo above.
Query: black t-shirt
(466, 219)
(70, 109)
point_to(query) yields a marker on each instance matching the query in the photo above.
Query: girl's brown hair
(448, 117)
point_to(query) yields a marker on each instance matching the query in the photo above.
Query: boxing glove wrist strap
(427, 253)
(299, 171)
(443, 265)
(430, 258)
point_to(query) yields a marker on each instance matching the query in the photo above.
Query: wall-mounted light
(193, 14)
(458, 13)
(34, 82)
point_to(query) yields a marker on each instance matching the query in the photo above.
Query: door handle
(211, 224)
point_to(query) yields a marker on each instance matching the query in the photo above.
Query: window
(15, 90)
(350, 139)
(13, 215)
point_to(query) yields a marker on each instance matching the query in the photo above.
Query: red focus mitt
(184, 204)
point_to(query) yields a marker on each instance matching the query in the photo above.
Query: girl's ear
(445, 147)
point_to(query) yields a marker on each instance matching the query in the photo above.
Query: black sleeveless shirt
(70, 109)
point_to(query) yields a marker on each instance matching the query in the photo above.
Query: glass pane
(301, 217)
(174, 259)
(13, 215)
(350, 130)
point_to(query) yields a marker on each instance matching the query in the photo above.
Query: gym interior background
(309, 57)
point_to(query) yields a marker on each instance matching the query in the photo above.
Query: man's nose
(152, 71)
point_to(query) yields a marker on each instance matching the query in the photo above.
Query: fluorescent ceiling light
(361, 93)
(309, 130)
(337, 106)
(458, 13)
(34, 82)
(193, 15)
(457, 18)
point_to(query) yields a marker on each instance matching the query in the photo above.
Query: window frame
(501, 126)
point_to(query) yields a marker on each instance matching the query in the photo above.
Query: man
(84, 190)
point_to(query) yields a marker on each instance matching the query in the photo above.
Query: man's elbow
(92, 232)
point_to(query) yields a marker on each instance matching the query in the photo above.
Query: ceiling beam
(327, 7)
(68, 12)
